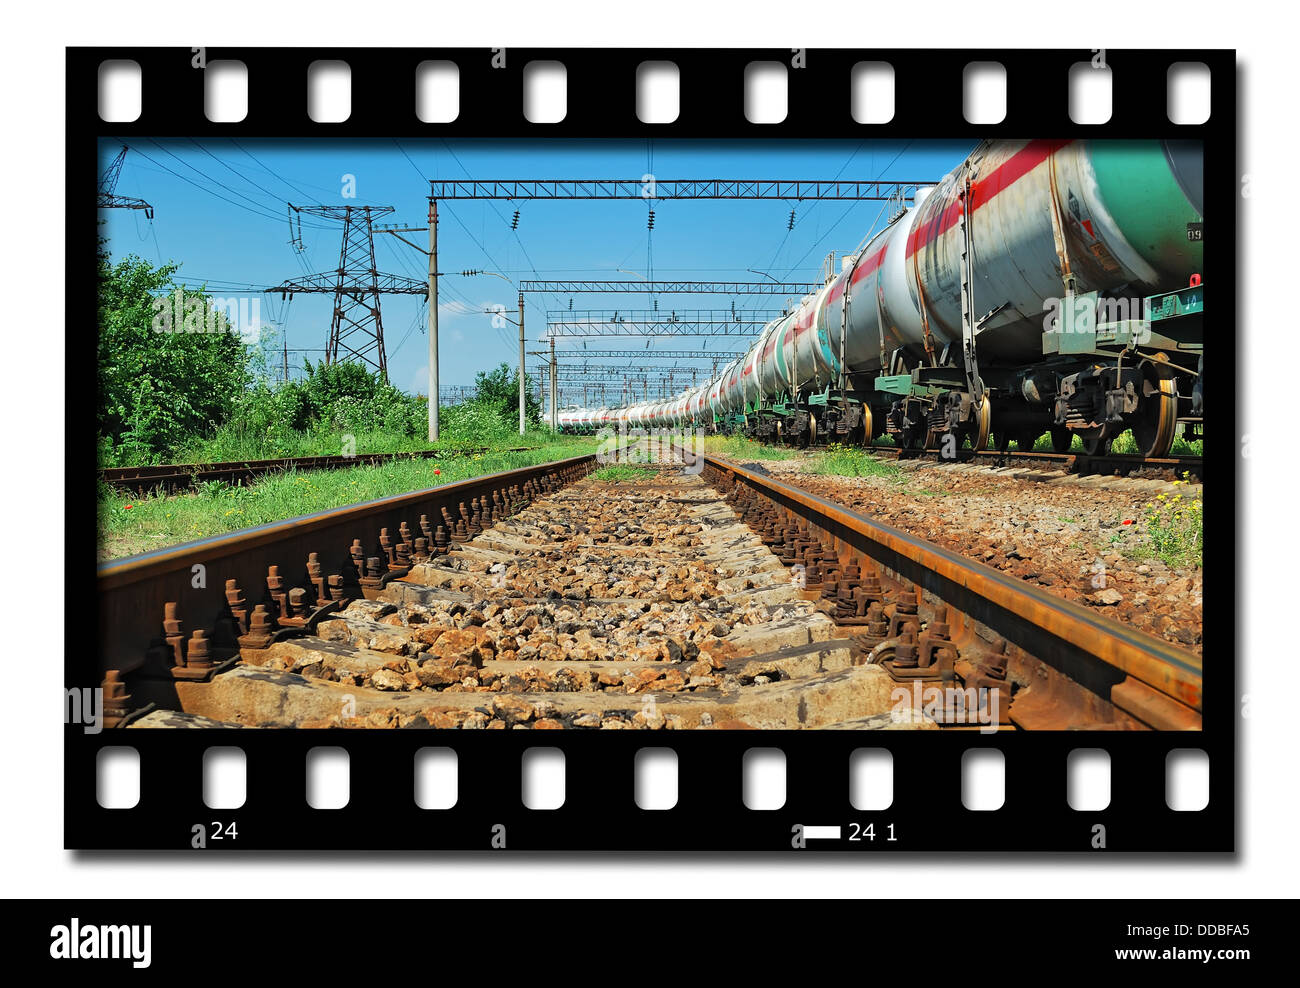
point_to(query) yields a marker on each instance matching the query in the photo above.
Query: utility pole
(541, 378)
(499, 311)
(433, 320)
(522, 421)
(555, 394)
(430, 290)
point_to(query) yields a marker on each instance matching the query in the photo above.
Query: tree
(499, 389)
(169, 365)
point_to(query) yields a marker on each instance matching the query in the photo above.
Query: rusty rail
(1080, 463)
(152, 606)
(1152, 681)
(180, 476)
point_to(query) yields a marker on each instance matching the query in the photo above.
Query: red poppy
(436, 470)
(127, 507)
(1128, 521)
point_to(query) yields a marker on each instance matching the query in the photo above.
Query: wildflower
(1128, 521)
(436, 471)
(127, 507)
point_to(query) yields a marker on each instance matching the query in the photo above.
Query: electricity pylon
(357, 325)
(109, 199)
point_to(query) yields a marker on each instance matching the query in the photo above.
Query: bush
(156, 387)
(476, 423)
(499, 390)
(204, 396)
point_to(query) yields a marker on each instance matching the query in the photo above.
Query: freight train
(1040, 287)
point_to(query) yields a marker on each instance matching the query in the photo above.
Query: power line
(296, 188)
(845, 214)
(199, 171)
(240, 205)
(232, 170)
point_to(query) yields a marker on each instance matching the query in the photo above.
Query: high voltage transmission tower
(109, 199)
(356, 325)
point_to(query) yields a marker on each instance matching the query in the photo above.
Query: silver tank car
(1048, 223)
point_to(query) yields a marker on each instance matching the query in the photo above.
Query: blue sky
(220, 210)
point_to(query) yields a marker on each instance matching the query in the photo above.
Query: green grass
(622, 471)
(129, 525)
(1173, 524)
(229, 445)
(468, 426)
(740, 448)
(1125, 445)
(232, 443)
(849, 461)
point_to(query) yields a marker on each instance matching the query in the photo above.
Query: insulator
(791, 226)
(650, 220)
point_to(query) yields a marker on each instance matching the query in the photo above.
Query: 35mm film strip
(879, 541)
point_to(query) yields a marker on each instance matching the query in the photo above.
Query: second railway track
(1115, 464)
(171, 477)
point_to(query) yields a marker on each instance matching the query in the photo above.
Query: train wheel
(913, 437)
(1157, 420)
(979, 438)
(1098, 447)
(1061, 439)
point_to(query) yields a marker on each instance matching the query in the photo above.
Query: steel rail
(1082, 463)
(131, 592)
(1097, 653)
(175, 475)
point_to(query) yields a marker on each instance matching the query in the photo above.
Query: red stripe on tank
(868, 266)
(985, 190)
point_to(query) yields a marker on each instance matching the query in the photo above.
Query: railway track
(1119, 465)
(546, 598)
(172, 477)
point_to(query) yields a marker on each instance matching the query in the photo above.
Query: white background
(34, 864)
